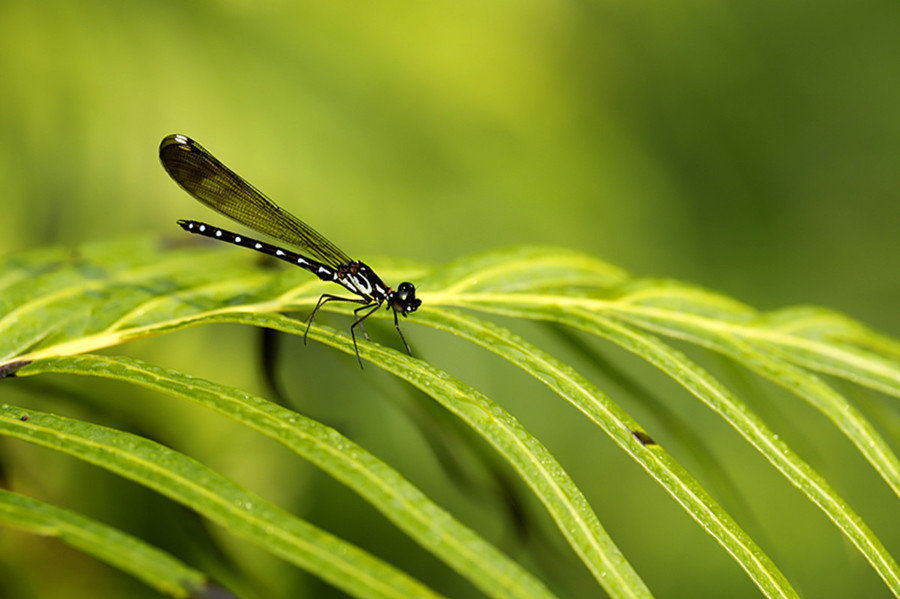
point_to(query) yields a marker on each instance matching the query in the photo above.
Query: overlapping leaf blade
(377, 482)
(217, 498)
(155, 568)
(54, 312)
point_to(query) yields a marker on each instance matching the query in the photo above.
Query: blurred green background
(748, 146)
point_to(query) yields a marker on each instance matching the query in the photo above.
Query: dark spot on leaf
(643, 437)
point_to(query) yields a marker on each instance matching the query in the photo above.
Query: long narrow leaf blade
(622, 429)
(212, 495)
(382, 486)
(156, 568)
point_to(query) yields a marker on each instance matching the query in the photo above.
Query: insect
(216, 186)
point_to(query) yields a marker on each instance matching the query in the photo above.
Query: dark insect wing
(212, 183)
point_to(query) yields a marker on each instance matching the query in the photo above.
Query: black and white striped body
(356, 276)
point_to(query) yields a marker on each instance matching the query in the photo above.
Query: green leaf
(719, 323)
(374, 480)
(109, 293)
(769, 344)
(159, 570)
(212, 495)
(627, 434)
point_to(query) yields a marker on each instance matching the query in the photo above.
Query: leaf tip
(10, 368)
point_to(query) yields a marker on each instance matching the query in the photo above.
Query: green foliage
(58, 309)
(154, 567)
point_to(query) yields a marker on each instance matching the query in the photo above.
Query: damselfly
(215, 185)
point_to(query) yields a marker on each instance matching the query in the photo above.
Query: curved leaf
(378, 483)
(629, 435)
(107, 294)
(203, 490)
(157, 569)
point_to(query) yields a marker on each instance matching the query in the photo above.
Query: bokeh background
(748, 146)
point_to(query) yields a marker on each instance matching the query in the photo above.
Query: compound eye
(406, 296)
